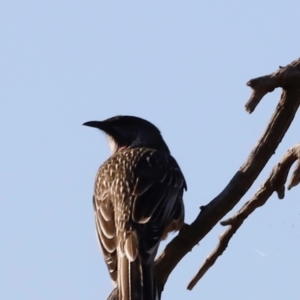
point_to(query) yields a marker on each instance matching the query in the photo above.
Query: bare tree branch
(275, 183)
(266, 84)
(287, 78)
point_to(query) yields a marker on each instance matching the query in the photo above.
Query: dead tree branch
(275, 183)
(288, 78)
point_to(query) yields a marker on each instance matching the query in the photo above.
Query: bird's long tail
(135, 280)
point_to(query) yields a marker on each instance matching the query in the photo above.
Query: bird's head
(130, 132)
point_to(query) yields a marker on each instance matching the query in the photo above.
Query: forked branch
(275, 183)
(288, 78)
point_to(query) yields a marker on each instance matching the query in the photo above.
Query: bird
(137, 200)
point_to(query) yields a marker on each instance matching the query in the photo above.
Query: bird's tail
(135, 280)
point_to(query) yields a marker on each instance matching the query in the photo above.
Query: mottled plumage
(137, 201)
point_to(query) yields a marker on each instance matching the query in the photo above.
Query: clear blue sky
(182, 65)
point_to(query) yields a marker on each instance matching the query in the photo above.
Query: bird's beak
(95, 124)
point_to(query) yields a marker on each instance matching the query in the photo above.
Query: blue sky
(182, 65)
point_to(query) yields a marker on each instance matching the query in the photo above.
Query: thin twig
(275, 183)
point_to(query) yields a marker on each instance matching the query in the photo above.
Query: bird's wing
(158, 194)
(106, 231)
(157, 203)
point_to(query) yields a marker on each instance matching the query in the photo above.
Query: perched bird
(137, 202)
